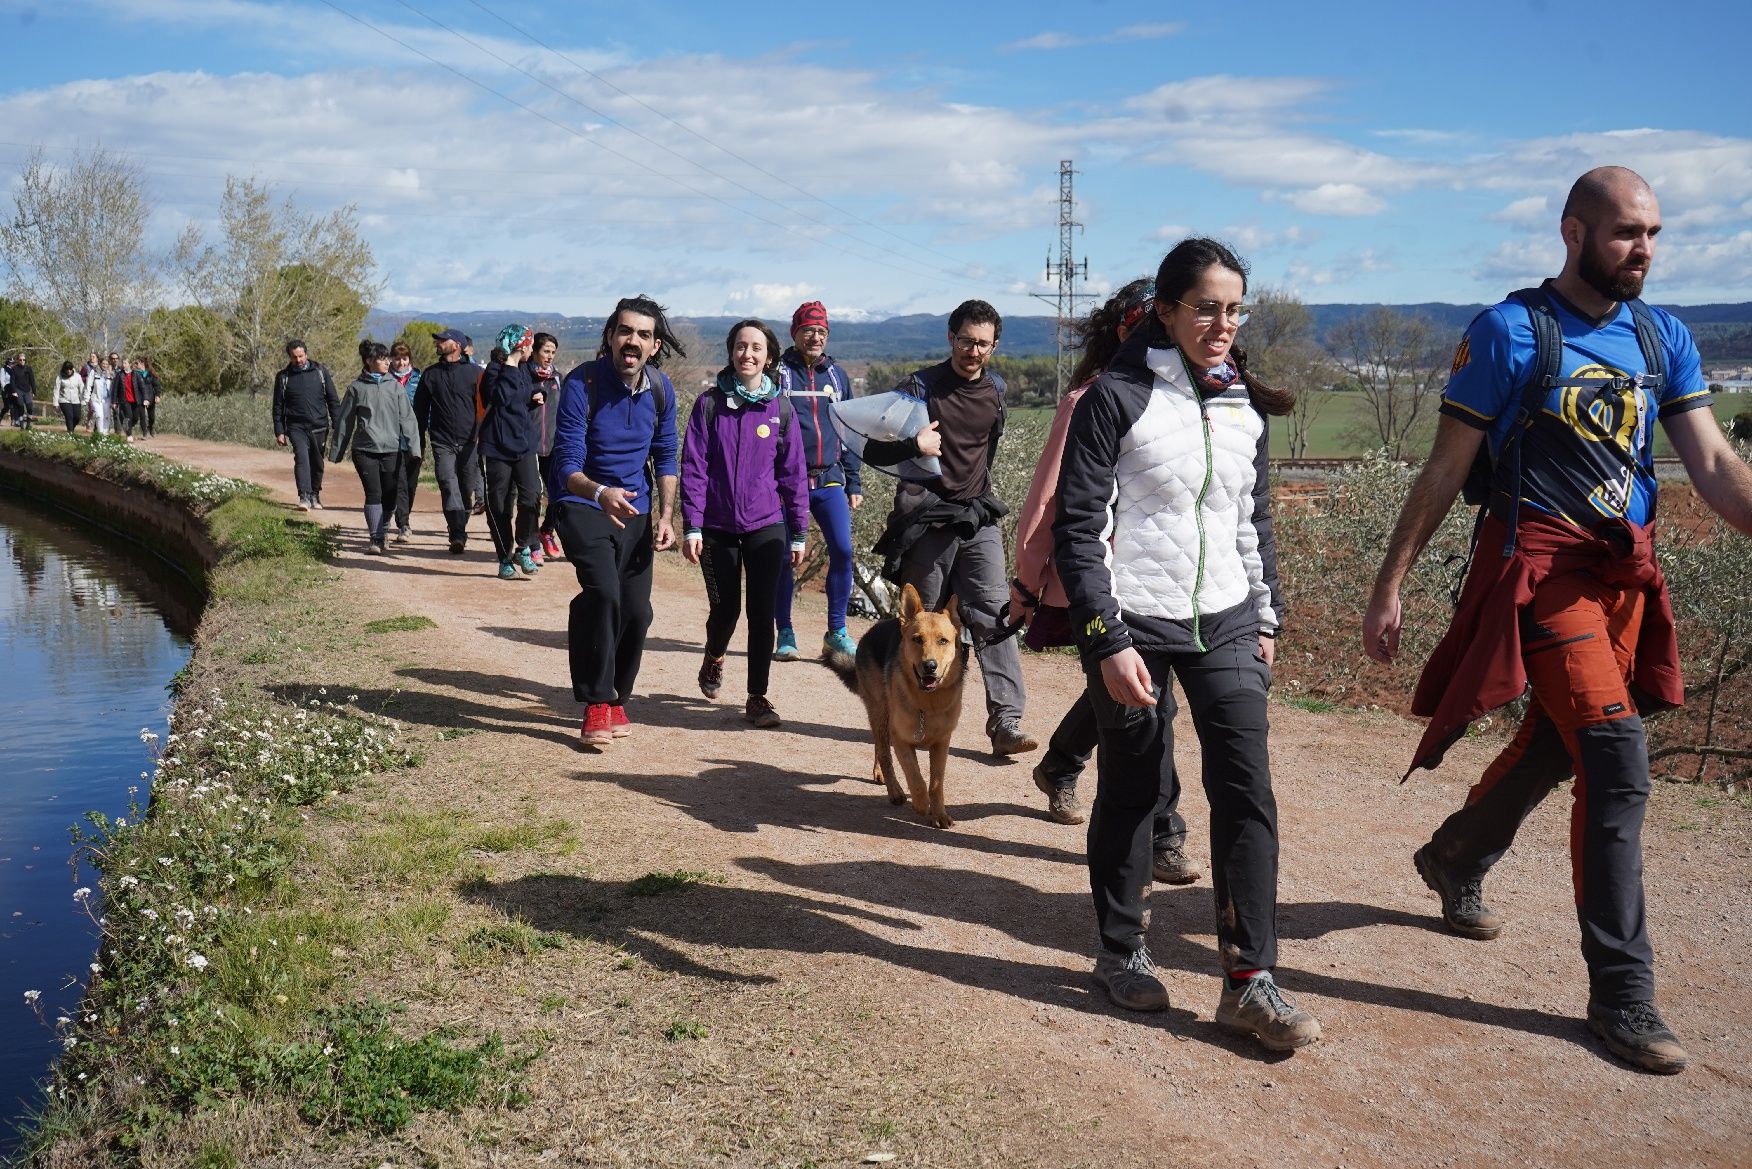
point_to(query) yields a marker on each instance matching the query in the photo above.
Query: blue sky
(899, 157)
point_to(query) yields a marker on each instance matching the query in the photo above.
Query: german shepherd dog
(909, 671)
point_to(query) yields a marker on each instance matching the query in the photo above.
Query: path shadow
(667, 931)
(717, 918)
(743, 797)
(536, 718)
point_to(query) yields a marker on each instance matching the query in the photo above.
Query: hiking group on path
(1146, 542)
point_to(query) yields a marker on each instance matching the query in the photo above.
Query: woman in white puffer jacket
(1163, 544)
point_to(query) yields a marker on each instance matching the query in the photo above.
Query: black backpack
(1498, 482)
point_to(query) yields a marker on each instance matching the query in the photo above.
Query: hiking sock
(1234, 978)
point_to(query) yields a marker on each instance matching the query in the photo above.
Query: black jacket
(444, 402)
(302, 397)
(511, 427)
(23, 381)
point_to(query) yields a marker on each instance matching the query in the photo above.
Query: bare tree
(75, 247)
(1281, 351)
(275, 274)
(1389, 355)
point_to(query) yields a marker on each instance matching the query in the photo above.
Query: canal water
(91, 631)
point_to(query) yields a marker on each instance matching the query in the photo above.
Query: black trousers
(1069, 749)
(405, 487)
(149, 424)
(307, 443)
(70, 414)
(512, 527)
(724, 557)
(544, 466)
(1226, 689)
(451, 467)
(605, 631)
(378, 475)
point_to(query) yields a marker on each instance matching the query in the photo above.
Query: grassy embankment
(246, 906)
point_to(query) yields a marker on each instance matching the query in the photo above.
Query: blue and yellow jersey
(1587, 453)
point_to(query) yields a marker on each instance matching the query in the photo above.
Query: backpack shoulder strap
(1648, 339)
(1547, 345)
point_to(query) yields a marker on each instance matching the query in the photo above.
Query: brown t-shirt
(968, 416)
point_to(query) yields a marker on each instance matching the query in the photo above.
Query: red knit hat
(811, 312)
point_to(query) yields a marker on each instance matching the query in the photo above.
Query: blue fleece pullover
(609, 432)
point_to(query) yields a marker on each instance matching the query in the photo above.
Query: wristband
(600, 488)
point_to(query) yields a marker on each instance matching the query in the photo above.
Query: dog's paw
(942, 820)
(896, 798)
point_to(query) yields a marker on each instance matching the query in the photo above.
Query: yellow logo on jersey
(1604, 413)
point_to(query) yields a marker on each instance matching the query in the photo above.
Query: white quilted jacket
(1182, 526)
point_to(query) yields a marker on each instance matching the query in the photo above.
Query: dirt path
(891, 986)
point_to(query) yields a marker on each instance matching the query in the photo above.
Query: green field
(1332, 435)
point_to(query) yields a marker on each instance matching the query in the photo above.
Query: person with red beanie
(814, 381)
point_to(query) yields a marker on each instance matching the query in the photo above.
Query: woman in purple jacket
(745, 504)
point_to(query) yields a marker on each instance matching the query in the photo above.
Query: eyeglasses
(1205, 312)
(973, 344)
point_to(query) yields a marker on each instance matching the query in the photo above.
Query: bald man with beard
(1565, 597)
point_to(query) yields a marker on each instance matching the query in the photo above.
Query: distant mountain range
(1723, 331)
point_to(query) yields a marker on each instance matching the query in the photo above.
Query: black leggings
(70, 412)
(723, 556)
(512, 531)
(378, 475)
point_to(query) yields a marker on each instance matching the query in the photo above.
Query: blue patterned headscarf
(511, 336)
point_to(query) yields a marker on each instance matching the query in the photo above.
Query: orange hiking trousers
(1578, 644)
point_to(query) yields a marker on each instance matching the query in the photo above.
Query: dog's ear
(910, 605)
(953, 610)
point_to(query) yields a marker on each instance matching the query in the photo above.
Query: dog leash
(1006, 628)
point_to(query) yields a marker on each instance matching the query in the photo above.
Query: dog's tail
(845, 665)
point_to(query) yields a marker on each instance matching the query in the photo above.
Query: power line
(646, 138)
(689, 130)
(631, 161)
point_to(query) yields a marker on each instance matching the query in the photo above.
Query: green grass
(519, 938)
(660, 884)
(685, 1029)
(402, 624)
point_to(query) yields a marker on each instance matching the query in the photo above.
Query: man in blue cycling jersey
(1564, 595)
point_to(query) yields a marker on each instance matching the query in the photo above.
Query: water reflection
(90, 633)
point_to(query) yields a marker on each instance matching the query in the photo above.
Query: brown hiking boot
(1009, 739)
(711, 676)
(1171, 867)
(1636, 1034)
(1463, 907)
(1061, 796)
(1258, 1008)
(760, 712)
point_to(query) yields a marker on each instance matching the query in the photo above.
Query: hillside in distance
(1723, 331)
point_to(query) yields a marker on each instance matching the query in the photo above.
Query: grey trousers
(942, 565)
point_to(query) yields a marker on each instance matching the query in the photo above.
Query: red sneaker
(549, 544)
(597, 729)
(618, 721)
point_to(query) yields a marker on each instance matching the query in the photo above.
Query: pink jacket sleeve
(1034, 525)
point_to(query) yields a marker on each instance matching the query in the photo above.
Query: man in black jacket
(444, 406)
(305, 407)
(22, 390)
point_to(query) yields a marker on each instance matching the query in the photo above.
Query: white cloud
(1064, 40)
(1533, 211)
(771, 300)
(1252, 238)
(1333, 199)
(1519, 263)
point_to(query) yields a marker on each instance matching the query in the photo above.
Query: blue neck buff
(765, 392)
